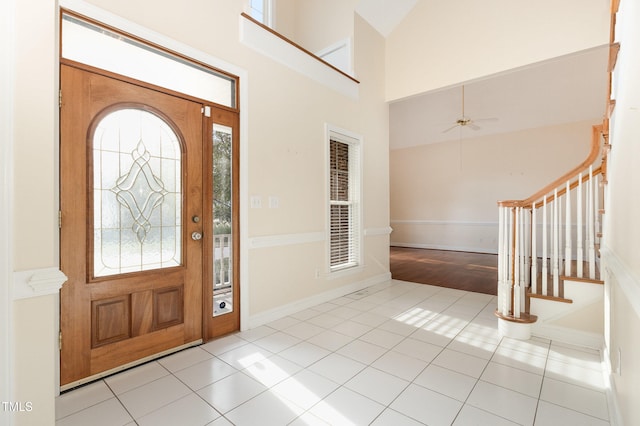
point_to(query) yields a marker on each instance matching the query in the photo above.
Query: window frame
(268, 7)
(355, 244)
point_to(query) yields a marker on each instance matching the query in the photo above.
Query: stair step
(582, 280)
(525, 318)
(562, 278)
(553, 298)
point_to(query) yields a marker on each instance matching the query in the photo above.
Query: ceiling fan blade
(474, 126)
(450, 128)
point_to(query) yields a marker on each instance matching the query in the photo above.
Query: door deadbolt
(195, 219)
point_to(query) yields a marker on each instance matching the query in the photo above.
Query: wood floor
(476, 272)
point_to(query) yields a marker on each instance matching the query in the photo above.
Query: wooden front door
(131, 185)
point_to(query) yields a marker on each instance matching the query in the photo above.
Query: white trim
(88, 10)
(615, 414)
(370, 232)
(101, 15)
(37, 282)
(344, 47)
(285, 240)
(356, 170)
(514, 330)
(272, 46)
(299, 305)
(7, 84)
(444, 222)
(444, 247)
(627, 280)
(568, 335)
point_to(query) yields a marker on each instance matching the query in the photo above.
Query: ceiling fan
(465, 121)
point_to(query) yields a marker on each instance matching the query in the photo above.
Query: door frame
(105, 18)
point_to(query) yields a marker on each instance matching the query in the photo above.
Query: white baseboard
(299, 305)
(567, 335)
(615, 419)
(444, 247)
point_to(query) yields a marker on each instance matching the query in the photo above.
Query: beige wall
(622, 233)
(34, 209)
(624, 351)
(35, 340)
(445, 195)
(469, 39)
(321, 23)
(315, 24)
(35, 129)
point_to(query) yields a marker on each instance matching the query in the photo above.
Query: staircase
(548, 246)
(548, 250)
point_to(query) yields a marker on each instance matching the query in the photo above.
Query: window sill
(344, 271)
(279, 48)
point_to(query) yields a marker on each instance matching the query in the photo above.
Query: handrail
(596, 131)
(297, 46)
(561, 192)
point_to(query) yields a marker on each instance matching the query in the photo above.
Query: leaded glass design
(137, 200)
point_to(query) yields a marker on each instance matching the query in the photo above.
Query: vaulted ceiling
(562, 90)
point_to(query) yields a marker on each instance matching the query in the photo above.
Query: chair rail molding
(370, 232)
(628, 281)
(37, 282)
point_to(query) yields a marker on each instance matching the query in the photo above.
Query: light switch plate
(256, 202)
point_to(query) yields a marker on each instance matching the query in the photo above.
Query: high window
(344, 201)
(262, 10)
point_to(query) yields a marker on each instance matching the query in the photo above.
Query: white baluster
(591, 224)
(501, 258)
(567, 232)
(516, 272)
(597, 206)
(579, 249)
(545, 270)
(220, 247)
(508, 273)
(527, 249)
(523, 252)
(556, 245)
(534, 251)
(229, 259)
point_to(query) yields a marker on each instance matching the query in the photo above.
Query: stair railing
(537, 246)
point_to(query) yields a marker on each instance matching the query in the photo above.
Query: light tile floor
(393, 354)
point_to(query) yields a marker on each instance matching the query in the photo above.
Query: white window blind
(344, 208)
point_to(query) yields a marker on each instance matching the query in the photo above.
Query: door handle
(195, 236)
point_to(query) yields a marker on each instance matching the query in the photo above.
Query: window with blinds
(344, 182)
